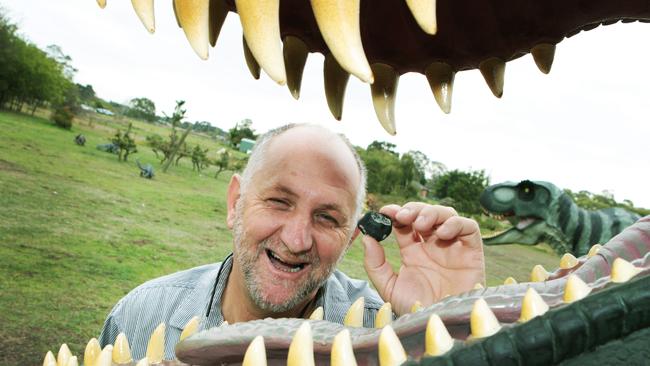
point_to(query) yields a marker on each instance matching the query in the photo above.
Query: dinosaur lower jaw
(377, 41)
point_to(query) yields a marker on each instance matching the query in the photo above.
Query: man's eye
(278, 202)
(329, 219)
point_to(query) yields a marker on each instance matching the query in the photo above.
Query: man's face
(293, 223)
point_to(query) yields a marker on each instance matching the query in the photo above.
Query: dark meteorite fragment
(376, 225)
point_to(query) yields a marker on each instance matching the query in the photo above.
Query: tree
(142, 108)
(199, 158)
(175, 142)
(464, 188)
(125, 144)
(241, 130)
(382, 145)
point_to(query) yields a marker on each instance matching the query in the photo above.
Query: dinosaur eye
(526, 191)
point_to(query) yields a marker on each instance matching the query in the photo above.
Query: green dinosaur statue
(542, 212)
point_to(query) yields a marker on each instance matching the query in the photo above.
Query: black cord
(216, 282)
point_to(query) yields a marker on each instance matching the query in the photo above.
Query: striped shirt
(174, 299)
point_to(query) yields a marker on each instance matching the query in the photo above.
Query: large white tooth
(121, 350)
(49, 359)
(336, 79)
(538, 274)
(317, 314)
(384, 315)
(441, 80)
(255, 353)
(594, 250)
(383, 95)
(64, 355)
(493, 71)
(101, 3)
(301, 349)
(623, 271)
(424, 12)
(92, 352)
(354, 316)
(543, 55)
(391, 351)
(156, 345)
(295, 56)
(342, 353)
(72, 361)
(218, 12)
(252, 64)
(260, 20)
(338, 21)
(568, 261)
(144, 10)
(532, 305)
(483, 322)
(142, 362)
(193, 16)
(575, 289)
(190, 328)
(437, 340)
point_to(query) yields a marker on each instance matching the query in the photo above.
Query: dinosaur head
(526, 205)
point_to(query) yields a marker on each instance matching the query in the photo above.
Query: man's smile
(285, 265)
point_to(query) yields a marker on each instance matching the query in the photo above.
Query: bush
(63, 116)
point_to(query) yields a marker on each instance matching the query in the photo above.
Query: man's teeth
(284, 266)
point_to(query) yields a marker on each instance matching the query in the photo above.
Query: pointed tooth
(73, 361)
(568, 261)
(295, 56)
(538, 274)
(105, 357)
(142, 362)
(543, 55)
(193, 16)
(623, 271)
(252, 64)
(483, 322)
(342, 353)
(317, 314)
(260, 20)
(190, 328)
(417, 306)
(224, 323)
(301, 349)
(92, 352)
(63, 356)
(144, 10)
(101, 3)
(424, 12)
(109, 348)
(121, 350)
(336, 79)
(178, 21)
(437, 340)
(217, 15)
(510, 281)
(594, 250)
(532, 305)
(354, 316)
(384, 316)
(493, 70)
(441, 80)
(383, 95)
(575, 289)
(391, 351)
(478, 286)
(338, 21)
(255, 353)
(156, 345)
(49, 359)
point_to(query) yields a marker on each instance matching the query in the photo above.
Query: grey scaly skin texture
(542, 212)
(145, 171)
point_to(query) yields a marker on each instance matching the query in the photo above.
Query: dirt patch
(11, 167)
(141, 242)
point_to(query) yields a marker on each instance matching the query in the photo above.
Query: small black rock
(376, 225)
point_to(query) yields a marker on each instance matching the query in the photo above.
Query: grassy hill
(78, 230)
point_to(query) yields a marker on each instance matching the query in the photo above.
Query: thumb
(379, 271)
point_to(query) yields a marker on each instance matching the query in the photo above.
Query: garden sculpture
(80, 140)
(542, 212)
(145, 171)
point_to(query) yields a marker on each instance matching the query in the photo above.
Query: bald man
(293, 215)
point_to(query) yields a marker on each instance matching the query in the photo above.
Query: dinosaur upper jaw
(377, 41)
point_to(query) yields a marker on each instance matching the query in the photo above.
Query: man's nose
(297, 234)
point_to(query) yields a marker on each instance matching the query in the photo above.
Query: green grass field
(78, 230)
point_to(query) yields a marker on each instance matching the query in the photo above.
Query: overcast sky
(586, 125)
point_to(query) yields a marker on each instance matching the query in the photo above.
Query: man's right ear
(233, 196)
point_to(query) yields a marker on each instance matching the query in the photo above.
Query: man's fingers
(379, 270)
(456, 227)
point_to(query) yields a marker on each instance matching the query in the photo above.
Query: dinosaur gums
(579, 313)
(540, 211)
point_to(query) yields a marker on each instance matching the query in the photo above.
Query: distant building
(246, 145)
(104, 111)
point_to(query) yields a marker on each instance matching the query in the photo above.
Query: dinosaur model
(590, 310)
(145, 171)
(595, 309)
(542, 212)
(109, 148)
(80, 140)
